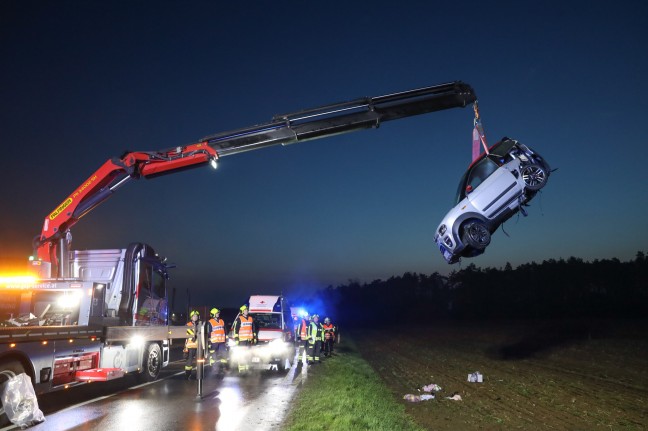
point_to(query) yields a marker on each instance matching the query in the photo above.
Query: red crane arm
(106, 180)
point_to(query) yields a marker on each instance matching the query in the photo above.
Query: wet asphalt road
(255, 401)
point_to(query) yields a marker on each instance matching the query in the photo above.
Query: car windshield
(267, 320)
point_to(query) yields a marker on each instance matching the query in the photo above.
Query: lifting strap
(478, 135)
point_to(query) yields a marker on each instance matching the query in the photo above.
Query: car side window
(480, 172)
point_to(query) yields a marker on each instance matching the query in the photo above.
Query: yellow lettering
(60, 208)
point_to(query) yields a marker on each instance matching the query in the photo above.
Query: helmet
(214, 311)
(315, 316)
(194, 313)
(243, 307)
(327, 320)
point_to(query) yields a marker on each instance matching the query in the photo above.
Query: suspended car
(496, 186)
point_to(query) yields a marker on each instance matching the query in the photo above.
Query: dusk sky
(83, 81)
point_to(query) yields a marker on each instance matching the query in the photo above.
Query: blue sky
(84, 81)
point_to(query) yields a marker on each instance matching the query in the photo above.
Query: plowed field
(546, 375)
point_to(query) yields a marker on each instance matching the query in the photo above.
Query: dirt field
(543, 375)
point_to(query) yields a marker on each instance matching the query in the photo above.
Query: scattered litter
(432, 387)
(417, 398)
(476, 377)
(412, 398)
(455, 397)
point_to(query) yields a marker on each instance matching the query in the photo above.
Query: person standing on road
(191, 345)
(301, 332)
(329, 336)
(314, 340)
(216, 331)
(245, 334)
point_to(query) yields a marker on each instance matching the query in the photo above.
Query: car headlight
(442, 229)
(448, 241)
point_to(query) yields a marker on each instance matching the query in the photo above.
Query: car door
(493, 188)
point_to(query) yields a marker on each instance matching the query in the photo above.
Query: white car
(495, 186)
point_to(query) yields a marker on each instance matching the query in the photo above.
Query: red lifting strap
(478, 135)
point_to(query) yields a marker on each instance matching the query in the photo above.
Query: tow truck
(96, 315)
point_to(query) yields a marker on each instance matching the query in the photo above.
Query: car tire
(476, 235)
(534, 177)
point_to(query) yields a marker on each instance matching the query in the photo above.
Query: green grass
(344, 393)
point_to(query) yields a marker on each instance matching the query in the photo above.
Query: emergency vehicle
(274, 328)
(95, 315)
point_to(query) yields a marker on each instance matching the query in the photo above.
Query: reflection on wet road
(256, 401)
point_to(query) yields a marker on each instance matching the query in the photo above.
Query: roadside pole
(200, 358)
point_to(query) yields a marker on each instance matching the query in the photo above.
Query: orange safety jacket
(304, 329)
(329, 331)
(192, 341)
(217, 334)
(244, 331)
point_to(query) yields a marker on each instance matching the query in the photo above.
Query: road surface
(256, 401)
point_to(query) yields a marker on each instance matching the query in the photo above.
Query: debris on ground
(475, 377)
(455, 397)
(432, 387)
(417, 398)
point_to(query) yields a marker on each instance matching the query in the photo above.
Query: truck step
(98, 374)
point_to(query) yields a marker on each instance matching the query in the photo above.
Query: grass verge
(344, 393)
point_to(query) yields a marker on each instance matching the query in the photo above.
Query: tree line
(551, 289)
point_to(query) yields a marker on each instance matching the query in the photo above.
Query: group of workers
(243, 329)
(315, 338)
(311, 337)
(215, 345)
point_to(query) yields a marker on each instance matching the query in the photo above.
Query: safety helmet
(214, 311)
(327, 320)
(314, 316)
(243, 308)
(194, 313)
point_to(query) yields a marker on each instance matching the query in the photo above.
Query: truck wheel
(152, 363)
(16, 367)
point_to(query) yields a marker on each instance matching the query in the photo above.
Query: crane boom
(52, 244)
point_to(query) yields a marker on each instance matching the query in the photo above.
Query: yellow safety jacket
(192, 341)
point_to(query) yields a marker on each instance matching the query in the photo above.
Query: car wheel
(534, 177)
(476, 235)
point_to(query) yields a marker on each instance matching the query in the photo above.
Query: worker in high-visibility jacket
(245, 335)
(314, 336)
(329, 336)
(301, 335)
(191, 345)
(216, 340)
